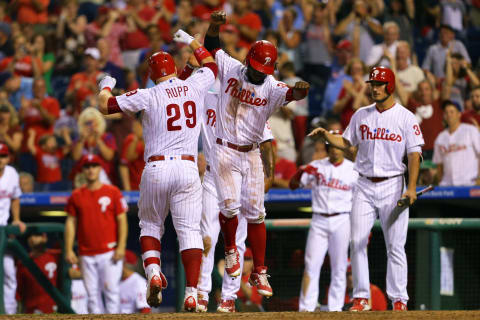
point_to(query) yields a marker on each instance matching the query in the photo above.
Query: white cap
(93, 52)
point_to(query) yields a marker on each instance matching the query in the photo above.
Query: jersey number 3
(174, 113)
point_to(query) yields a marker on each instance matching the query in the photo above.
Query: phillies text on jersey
(168, 109)
(332, 185)
(243, 107)
(459, 153)
(383, 139)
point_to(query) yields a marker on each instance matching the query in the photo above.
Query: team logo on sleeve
(378, 134)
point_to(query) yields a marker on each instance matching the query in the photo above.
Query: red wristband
(201, 53)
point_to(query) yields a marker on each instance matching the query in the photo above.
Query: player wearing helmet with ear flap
(249, 94)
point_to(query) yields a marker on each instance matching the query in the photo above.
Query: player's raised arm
(298, 91)
(201, 54)
(212, 39)
(106, 85)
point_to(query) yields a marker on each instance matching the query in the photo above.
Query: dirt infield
(456, 315)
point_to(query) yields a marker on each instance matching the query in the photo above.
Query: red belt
(329, 215)
(376, 179)
(208, 167)
(161, 158)
(233, 146)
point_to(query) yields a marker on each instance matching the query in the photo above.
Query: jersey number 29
(174, 114)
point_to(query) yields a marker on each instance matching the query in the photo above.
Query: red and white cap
(4, 150)
(91, 159)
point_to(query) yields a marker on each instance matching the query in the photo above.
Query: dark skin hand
(217, 18)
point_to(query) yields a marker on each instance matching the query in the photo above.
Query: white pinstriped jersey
(9, 189)
(383, 139)
(171, 113)
(209, 124)
(459, 153)
(244, 108)
(332, 185)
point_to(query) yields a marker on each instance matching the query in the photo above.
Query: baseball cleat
(259, 280)
(190, 302)
(202, 303)
(232, 263)
(154, 291)
(360, 304)
(399, 306)
(226, 306)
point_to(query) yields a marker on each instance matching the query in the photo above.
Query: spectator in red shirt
(284, 170)
(22, 63)
(205, 7)
(48, 155)
(429, 114)
(38, 114)
(31, 11)
(31, 294)
(353, 95)
(131, 159)
(248, 23)
(84, 84)
(473, 116)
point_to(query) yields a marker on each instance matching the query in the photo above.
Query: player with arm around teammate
(383, 133)
(332, 181)
(249, 94)
(171, 116)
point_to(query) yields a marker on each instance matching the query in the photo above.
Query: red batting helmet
(383, 74)
(161, 64)
(262, 57)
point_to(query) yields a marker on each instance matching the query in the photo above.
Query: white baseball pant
(9, 284)
(171, 185)
(332, 234)
(210, 228)
(102, 275)
(370, 199)
(239, 181)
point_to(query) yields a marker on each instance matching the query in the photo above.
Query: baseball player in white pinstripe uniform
(9, 202)
(171, 118)
(332, 181)
(210, 227)
(249, 94)
(384, 133)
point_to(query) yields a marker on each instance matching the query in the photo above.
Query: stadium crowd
(52, 54)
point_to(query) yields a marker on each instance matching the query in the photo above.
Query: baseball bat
(405, 201)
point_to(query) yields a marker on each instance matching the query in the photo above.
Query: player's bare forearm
(217, 18)
(295, 180)
(124, 175)
(268, 160)
(334, 139)
(70, 226)
(15, 208)
(122, 230)
(413, 169)
(103, 97)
